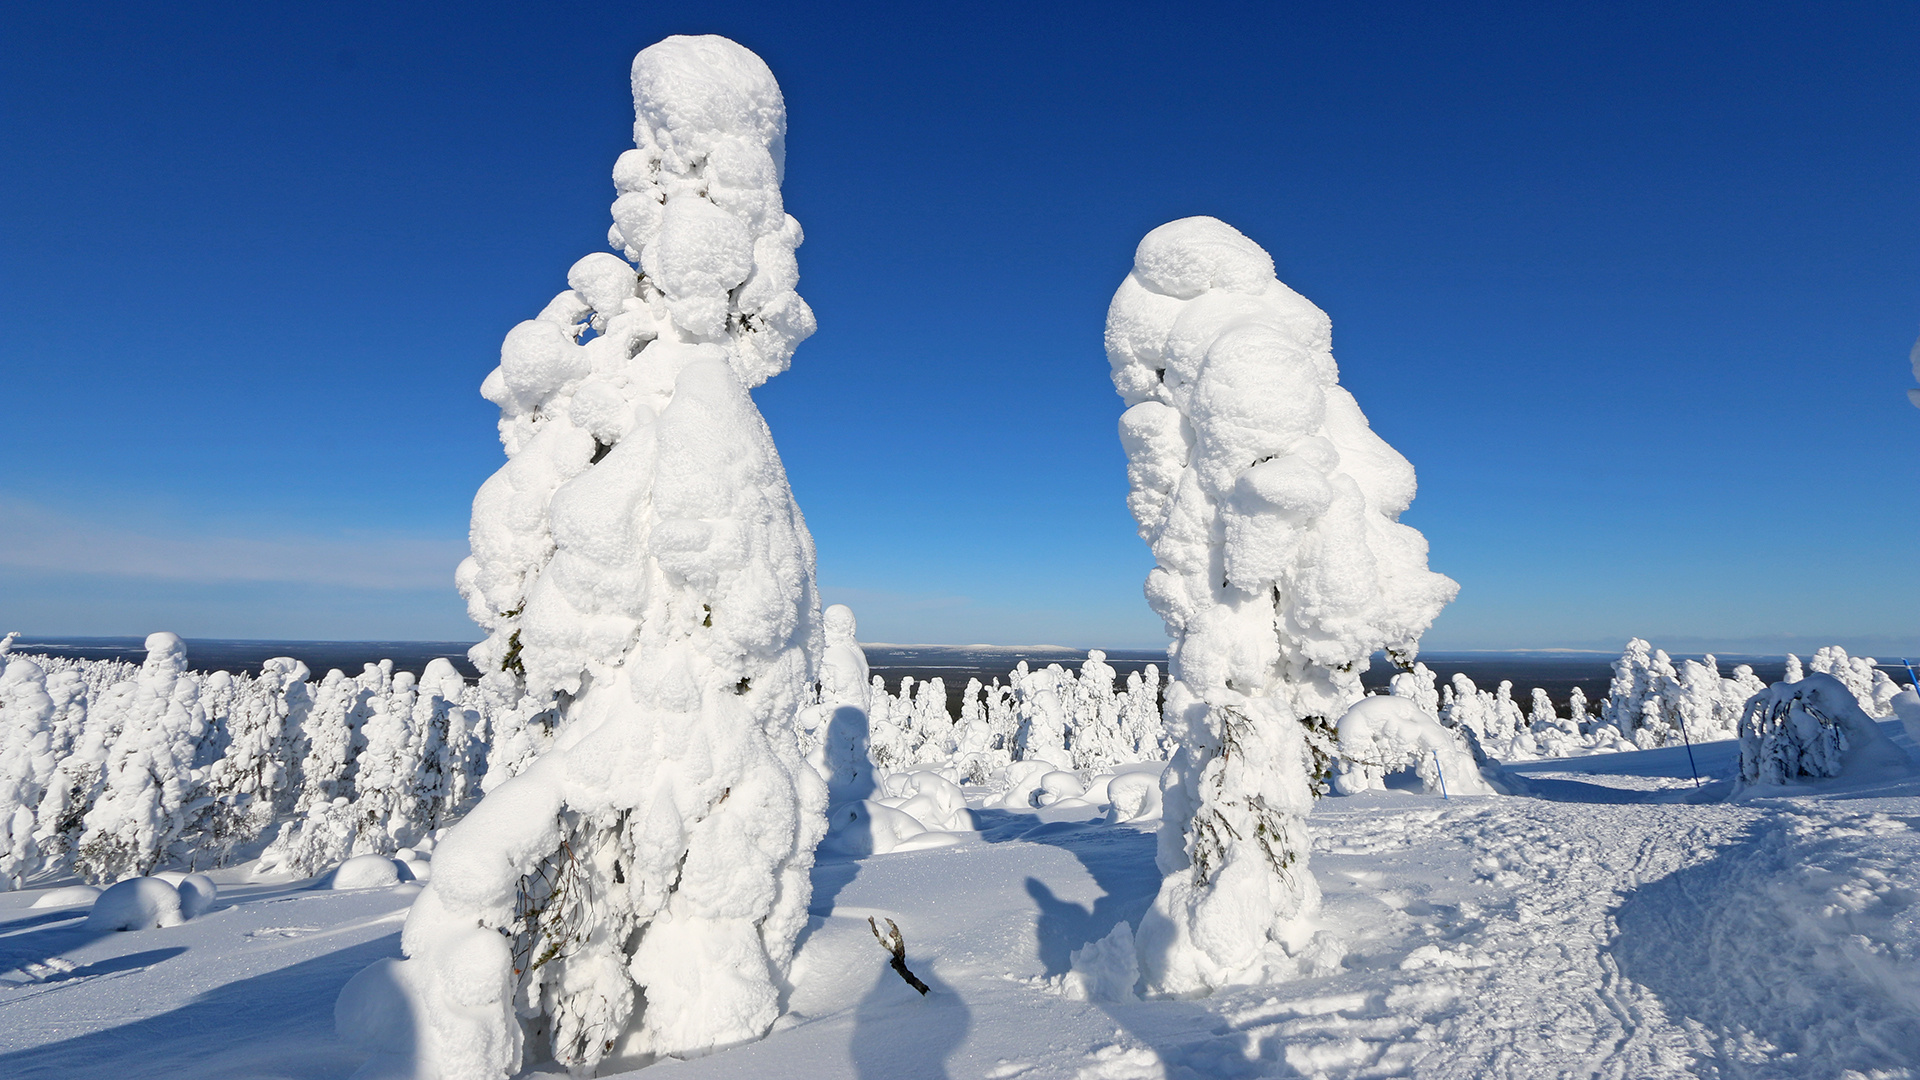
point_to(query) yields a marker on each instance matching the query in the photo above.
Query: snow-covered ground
(1613, 921)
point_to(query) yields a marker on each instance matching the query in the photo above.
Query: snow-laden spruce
(1272, 510)
(1811, 729)
(647, 583)
(26, 762)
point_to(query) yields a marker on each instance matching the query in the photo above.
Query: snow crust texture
(1272, 510)
(633, 882)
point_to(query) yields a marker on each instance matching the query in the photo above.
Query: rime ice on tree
(647, 580)
(1272, 512)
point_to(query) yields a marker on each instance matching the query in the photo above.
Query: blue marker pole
(1442, 773)
(1691, 767)
(1908, 664)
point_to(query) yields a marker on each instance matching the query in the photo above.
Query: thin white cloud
(38, 538)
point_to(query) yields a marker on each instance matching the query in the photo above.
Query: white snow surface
(1613, 921)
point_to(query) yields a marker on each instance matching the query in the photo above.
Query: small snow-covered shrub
(1133, 797)
(1811, 728)
(366, 872)
(935, 801)
(139, 903)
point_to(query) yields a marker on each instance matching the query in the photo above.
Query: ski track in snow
(1615, 923)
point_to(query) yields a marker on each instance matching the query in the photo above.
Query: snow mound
(868, 828)
(197, 891)
(1104, 970)
(366, 872)
(1382, 735)
(71, 896)
(141, 903)
(933, 800)
(1133, 797)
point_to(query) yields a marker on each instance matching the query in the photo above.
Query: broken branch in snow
(896, 944)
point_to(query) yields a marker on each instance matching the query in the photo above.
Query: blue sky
(1633, 287)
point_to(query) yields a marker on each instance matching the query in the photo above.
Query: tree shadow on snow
(1713, 942)
(900, 1035)
(1119, 858)
(278, 1024)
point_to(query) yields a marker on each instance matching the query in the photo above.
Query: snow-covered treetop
(166, 652)
(1236, 411)
(612, 402)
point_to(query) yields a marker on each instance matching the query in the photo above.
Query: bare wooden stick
(893, 942)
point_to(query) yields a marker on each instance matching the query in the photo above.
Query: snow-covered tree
(148, 774)
(1099, 741)
(1041, 705)
(841, 730)
(393, 810)
(249, 785)
(639, 563)
(1810, 728)
(933, 735)
(1857, 674)
(890, 725)
(1272, 512)
(1692, 700)
(1642, 697)
(444, 761)
(1417, 686)
(26, 762)
(1141, 729)
(1577, 708)
(1541, 713)
(93, 712)
(328, 740)
(1794, 671)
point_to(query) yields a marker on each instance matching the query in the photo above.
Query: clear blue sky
(1633, 287)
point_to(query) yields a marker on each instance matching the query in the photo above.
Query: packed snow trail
(1615, 921)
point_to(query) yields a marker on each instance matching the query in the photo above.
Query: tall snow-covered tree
(1043, 731)
(250, 785)
(26, 762)
(639, 563)
(1140, 724)
(841, 729)
(390, 808)
(1272, 510)
(148, 773)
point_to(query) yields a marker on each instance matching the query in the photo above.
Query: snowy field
(1615, 920)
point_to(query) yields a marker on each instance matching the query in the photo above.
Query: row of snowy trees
(110, 769)
(1086, 721)
(1652, 701)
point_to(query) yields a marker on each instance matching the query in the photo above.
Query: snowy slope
(1614, 921)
